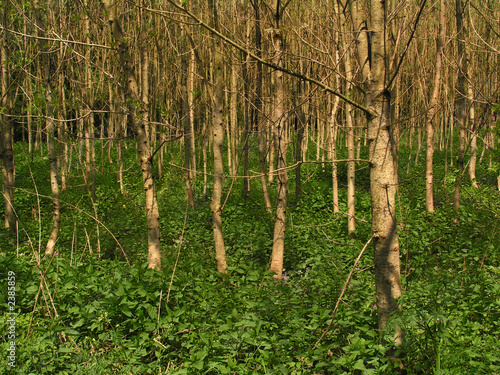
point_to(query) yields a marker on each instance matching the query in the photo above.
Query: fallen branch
(342, 293)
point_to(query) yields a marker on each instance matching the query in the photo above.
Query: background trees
(236, 95)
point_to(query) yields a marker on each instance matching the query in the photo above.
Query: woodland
(250, 187)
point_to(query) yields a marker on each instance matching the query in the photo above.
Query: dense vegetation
(86, 311)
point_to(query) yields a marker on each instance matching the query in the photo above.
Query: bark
(258, 121)
(137, 110)
(351, 165)
(6, 140)
(51, 141)
(191, 76)
(373, 61)
(218, 142)
(301, 123)
(186, 118)
(461, 110)
(473, 140)
(431, 113)
(280, 142)
(233, 115)
(247, 120)
(333, 154)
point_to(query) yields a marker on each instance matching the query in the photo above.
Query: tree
(433, 109)
(6, 139)
(369, 19)
(137, 110)
(461, 106)
(279, 123)
(218, 140)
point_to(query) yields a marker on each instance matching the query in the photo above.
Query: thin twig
(342, 292)
(178, 254)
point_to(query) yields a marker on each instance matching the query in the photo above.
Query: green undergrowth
(87, 311)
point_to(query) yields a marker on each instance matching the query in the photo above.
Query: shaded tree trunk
(461, 110)
(6, 140)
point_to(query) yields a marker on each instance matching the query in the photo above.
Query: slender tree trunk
(247, 121)
(373, 64)
(333, 153)
(233, 116)
(301, 123)
(51, 138)
(141, 135)
(6, 141)
(186, 118)
(431, 113)
(280, 143)
(461, 110)
(218, 142)
(351, 165)
(260, 122)
(190, 96)
(473, 140)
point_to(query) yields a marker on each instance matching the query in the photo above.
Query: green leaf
(359, 365)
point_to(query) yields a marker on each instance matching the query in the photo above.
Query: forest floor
(90, 310)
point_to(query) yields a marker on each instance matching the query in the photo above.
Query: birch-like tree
(137, 109)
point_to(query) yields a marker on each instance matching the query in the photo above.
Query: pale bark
(382, 184)
(351, 166)
(233, 116)
(191, 76)
(333, 153)
(431, 113)
(461, 110)
(51, 141)
(279, 137)
(218, 142)
(260, 123)
(473, 140)
(247, 122)
(186, 119)
(141, 135)
(301, 123)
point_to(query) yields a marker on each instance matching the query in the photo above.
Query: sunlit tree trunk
(333, 130)
(301, 124)
(351, 165)
(218, 141)
(51, 138)
(372, 57)
(473, 140)
(186, 119)
(433, 108)
(461, 110)
(280, 143)
(259, 120)
(141, 135)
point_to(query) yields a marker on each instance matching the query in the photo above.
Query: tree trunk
(461, 110)
(6, 140)
(186, 118)
(280, 143)
(351, 165)
(473, 140)
(373, 62)
(218, 142)
(137, 110)
(431, 113)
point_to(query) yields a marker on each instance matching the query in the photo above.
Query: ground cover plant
(88, 310)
